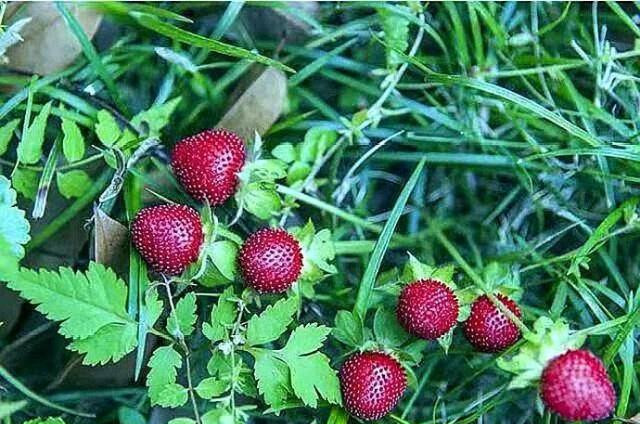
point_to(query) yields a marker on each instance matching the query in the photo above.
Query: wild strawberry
(168, 237)
(270, 260)
(427, 309)
(575, 385)
(372, 383)
(207, 164)
(488, 329)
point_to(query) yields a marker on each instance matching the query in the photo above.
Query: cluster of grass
(525, 116)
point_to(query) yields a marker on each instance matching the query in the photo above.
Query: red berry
(371, 383)
(270, 260)
(168, 237)
(488, 329)
(575, 385)
(427, 309)
(207, 164)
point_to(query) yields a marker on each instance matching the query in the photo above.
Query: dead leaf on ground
(258, 106)
(110, 242)
(49, 46)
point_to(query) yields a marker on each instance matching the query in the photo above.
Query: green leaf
(267, 170)
(285, 152)
(298, 171)
(306, 339)
(272, 322)
(223, 255)
(178, 34)
(223, 317)
(25, 181)
(388, 330)
(163, 390)
(156, 118)
(312, 376)
(182, 421)
(181, 322)
(73, 145)
(6, 134)
(261, 199)
(14, 227)
(107, 128)
(316, 141)
(45, 421)
(396, 34)
(91, 307)
(211, 387)
(272, 376)
(74, 183)
(30, 147)
(349, 329)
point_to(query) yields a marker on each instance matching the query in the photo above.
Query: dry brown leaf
(259, 105)
(49, 46)
(110, 241)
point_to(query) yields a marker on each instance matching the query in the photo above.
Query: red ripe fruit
(168, 237)
(207, 164)
(488, 329)
(427, 309)
(575, 385)
(270, 260)
(371, 383)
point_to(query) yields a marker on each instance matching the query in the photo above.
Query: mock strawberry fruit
(427, 309)
(371, 383)
(270, 260)
(575, 385)
(207, 164)
(488, 329)
(168, 237)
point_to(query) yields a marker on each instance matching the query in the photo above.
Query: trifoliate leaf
(211, 387)
(73, 145)
(548, 340)
(223, 255)
(223, 316)
(155, 118)
(349, 329)
(311, 377)
(25, 181)
(91, 307)
(272, 322)
(272, 376)
(107, 128)
(30, 147)
(161, 380)
(6, 134)
(387, 329)
(14, 227)
(73, 183)
(305, 339)
(181, 321)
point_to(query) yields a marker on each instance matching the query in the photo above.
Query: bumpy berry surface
(168, 237)
(575, 385)
(371, 383)
(427, 309)
(270, 260)
(207, 164)
(488, 329)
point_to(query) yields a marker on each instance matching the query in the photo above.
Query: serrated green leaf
(14, 227)
(305, 339)
(223, 316)
(73, 183)
(272, 376)
(73, 145)
(387, 329)
(312, 376)
(349, 329)
(111, 343)
(272, 322)
(163, 390)
(396, 35)
(25, 181)
(107, 128)
(182, 321)
(157, 117)
(223, 255)
(211, 387)
(153, 308)
(6, 134)
(30, 147)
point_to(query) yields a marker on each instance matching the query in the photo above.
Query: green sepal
(548, 340)
(317, 251)
(415, 270)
